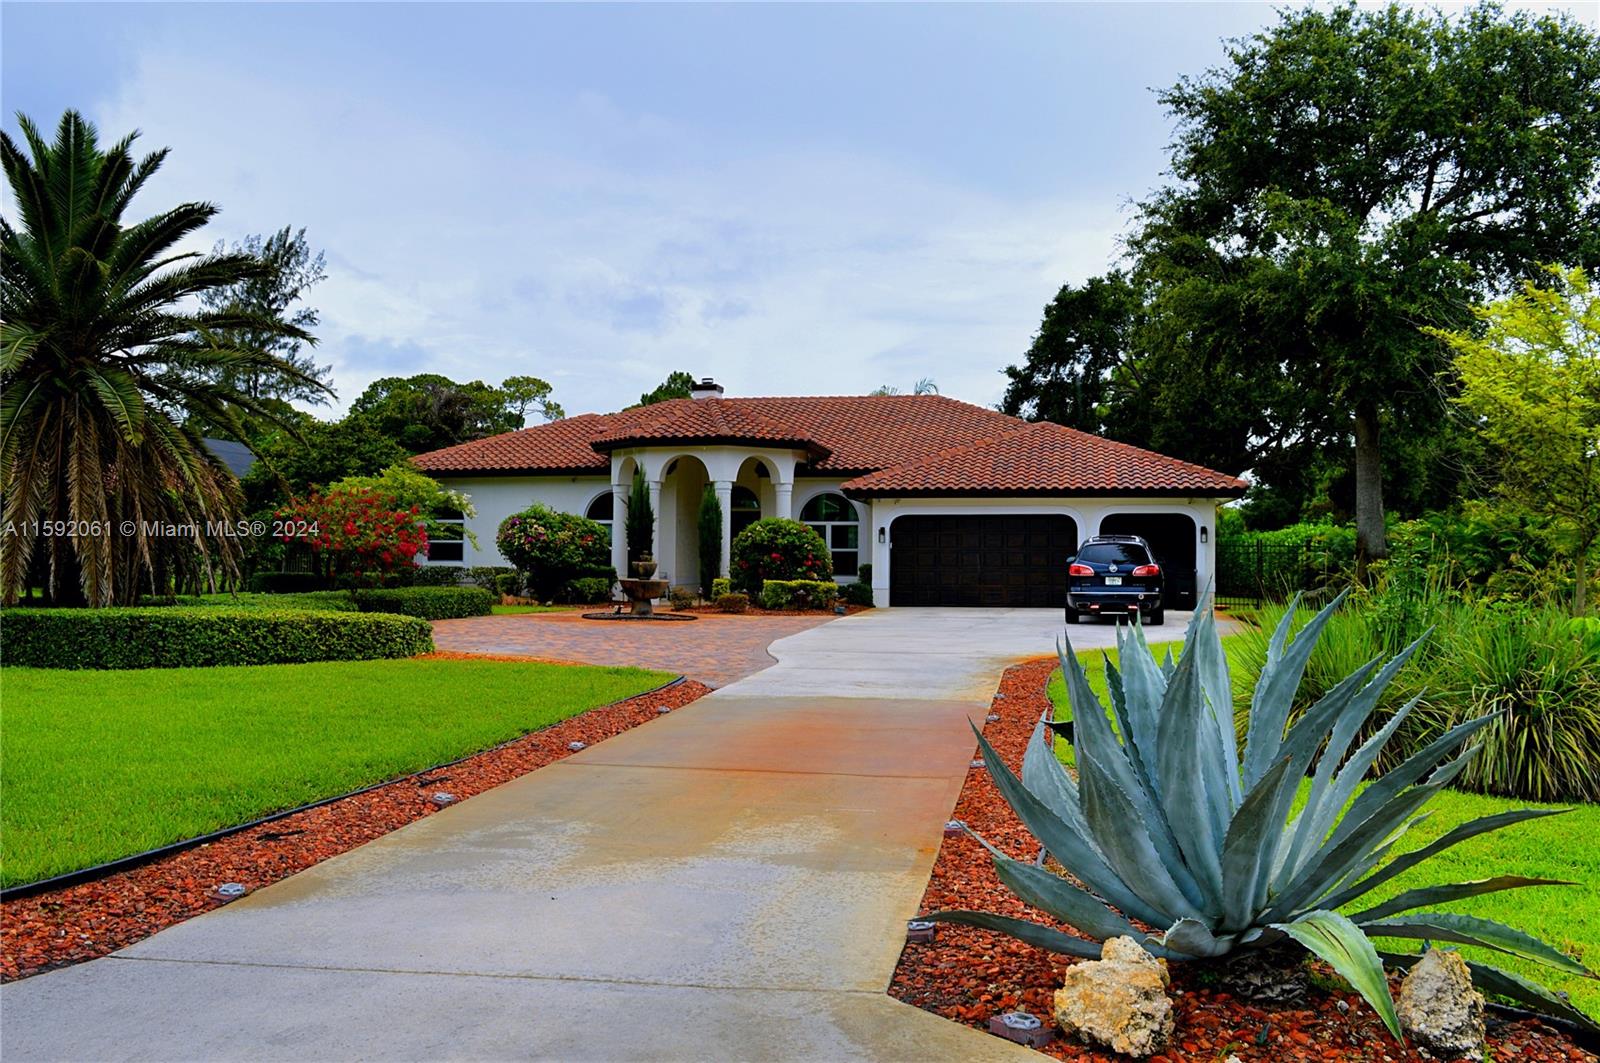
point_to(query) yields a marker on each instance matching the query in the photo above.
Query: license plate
(1113, 581)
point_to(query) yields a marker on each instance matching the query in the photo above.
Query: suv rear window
(1114, 554)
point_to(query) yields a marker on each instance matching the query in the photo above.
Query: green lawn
(517, 610)
(1560, 847)
(99, 765)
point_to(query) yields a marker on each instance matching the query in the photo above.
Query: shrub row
(859, 593)
(798, 594)
(733, 602)
(185, 637)
(428, 603)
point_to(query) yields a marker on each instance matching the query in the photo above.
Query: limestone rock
(1118, 1001)
(1438, 1008)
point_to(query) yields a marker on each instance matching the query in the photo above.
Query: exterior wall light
(883, 535)
(1205, 536)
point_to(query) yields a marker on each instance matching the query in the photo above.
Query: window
(746, 510)
(601, 512)
(446, 546)
(834, 518)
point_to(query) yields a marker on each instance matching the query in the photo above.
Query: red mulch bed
(88, 920)
(969, 975)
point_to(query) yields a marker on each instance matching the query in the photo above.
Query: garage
(1171, 537)
(992, 560)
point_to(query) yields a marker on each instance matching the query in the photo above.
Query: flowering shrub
(778, 549)
(361, 533)
(553, 547)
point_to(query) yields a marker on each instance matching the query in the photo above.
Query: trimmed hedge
(189, 637)
(858, 593)
(798, 594)
(720, 586)
(778, 549)
(588, 590)
(733, 602)
(429, 603)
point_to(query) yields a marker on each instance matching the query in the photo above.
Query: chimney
(706, 389)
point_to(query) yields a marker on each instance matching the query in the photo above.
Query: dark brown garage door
(1001, 561)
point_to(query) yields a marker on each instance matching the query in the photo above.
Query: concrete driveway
(731, 881)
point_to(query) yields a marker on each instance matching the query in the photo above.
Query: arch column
(619, 530)
(724, 490)
(783, 496)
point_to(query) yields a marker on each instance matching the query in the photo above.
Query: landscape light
(919, 931)
(575, 746)
(442, 798)
(1022, 1028)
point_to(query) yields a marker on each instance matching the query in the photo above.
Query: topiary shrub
(858, 593)
(778, 549)
(683, 598)
(864, 573)
(509, 583)
(798, 594)
(720, 586)
(733, 603)
(188, 637)
(429, 603)
(553, 548)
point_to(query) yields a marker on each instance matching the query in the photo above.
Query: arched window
(600, 511)
(746, 509)
(834, 518)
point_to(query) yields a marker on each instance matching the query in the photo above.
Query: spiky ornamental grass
(1169, 825)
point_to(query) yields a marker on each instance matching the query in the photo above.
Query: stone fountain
(641, 592)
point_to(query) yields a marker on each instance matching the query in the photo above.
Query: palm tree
(104, 356)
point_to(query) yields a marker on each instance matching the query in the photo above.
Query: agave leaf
(1355, 769)
(1144, 686)
(1275, 688)
(1300, 745)
(1205, 643)
(1167, 664)
(1191, 785)
(1039, 936)
(1317, 817)
(1491, 979)
(1473, 930)
(1454, 891)
(1054, 895)
(1076, 852)
(1245, 854)
(1347, 950)
(1046, 778)
(1336, 860)
(1194, 938)
(1470, 829)
(1413, 768)
(1120, 833)
(1144, 820)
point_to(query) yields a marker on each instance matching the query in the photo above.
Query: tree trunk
(1371, 542)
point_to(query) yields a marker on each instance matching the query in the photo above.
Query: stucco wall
(497, 497)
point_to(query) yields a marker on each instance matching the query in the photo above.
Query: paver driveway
(730, 881)
(717, 650)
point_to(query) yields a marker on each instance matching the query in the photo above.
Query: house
(951, 503)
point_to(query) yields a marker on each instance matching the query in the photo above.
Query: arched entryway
(1172, 540)
(683, 483)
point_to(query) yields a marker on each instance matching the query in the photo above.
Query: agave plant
(1169, 826)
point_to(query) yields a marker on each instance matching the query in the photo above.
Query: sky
(810, 199)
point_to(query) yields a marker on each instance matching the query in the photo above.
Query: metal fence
(1250, 573)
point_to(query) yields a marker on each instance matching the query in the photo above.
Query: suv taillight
(1080, 570)
(1147, 570)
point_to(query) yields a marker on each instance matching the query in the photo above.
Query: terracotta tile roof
(711, 420)
(905, 443)
(1046, 459)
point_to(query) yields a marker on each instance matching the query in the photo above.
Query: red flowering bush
(778, 549)
(553, 548)
(361, 534)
